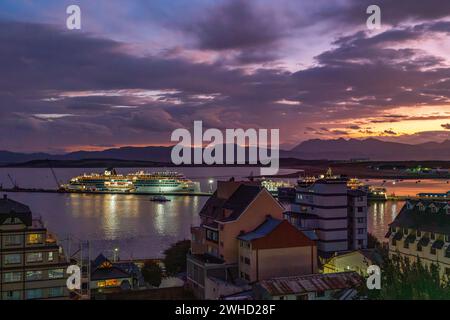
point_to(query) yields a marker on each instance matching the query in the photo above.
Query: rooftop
(263, 230)
(13, 209)
(240, 200)
(310, 283)
(103, 269)
(237, 202)
(424, 215)
(275, 233)
(8, 206)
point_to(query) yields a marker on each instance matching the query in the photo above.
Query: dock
(63, 191)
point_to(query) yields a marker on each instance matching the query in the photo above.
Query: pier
(40, 190)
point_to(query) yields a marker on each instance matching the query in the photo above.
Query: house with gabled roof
(236, 212)
(107, 276)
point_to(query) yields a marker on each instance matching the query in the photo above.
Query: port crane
(14, 183)
(58, 184)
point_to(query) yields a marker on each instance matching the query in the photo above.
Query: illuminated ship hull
(140, 182)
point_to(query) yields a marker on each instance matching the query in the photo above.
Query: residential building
(32, 264)
(357, 219)
(276, 248)
(422, 230)
(335, 212)
(110, 277)
(232, 241)
(357, 261)
(331, 286)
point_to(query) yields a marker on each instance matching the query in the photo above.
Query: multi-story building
(241, 227)
(337, 214)
(422, 230)
(32, 264)
(357, 219)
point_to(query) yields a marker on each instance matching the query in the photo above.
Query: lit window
(34, 238)
(112, 283)
(108, 283)
(50, 256)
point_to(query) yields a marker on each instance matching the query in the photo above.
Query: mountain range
(339, 149)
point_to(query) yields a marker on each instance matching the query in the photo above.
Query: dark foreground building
(32, 264)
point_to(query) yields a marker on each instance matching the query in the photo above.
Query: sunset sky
(139, 69)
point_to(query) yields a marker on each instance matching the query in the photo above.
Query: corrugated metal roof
(310, 283)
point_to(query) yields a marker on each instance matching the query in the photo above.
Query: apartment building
(231, 247)
(336, 213)
(422, 229)
(32, 265)
(357, 219)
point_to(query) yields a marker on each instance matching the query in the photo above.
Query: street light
(211, 182)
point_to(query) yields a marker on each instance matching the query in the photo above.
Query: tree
(152, 273)
(175, 257)
(405, 280)
(373, 242)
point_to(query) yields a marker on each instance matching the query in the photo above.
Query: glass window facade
(34, 257)
(14, 258)
(56, 273)
(11, 295)
(56, 292)
(34, 294)
(34, 275)
(13, 240)
(12, 277)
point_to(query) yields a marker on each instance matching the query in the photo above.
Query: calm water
(138, 227)
(143, 229)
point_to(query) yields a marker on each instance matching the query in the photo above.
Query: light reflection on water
(380, 215)
(143, 229)
(139, 227)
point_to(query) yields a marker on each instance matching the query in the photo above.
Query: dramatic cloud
(229, 63)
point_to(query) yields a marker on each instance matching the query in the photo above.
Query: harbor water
(141, 228)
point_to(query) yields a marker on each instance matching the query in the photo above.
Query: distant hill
(342, 149)
(339, 149)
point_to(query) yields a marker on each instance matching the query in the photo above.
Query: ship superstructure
(139, 182)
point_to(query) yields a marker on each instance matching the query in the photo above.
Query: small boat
(159, 199)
